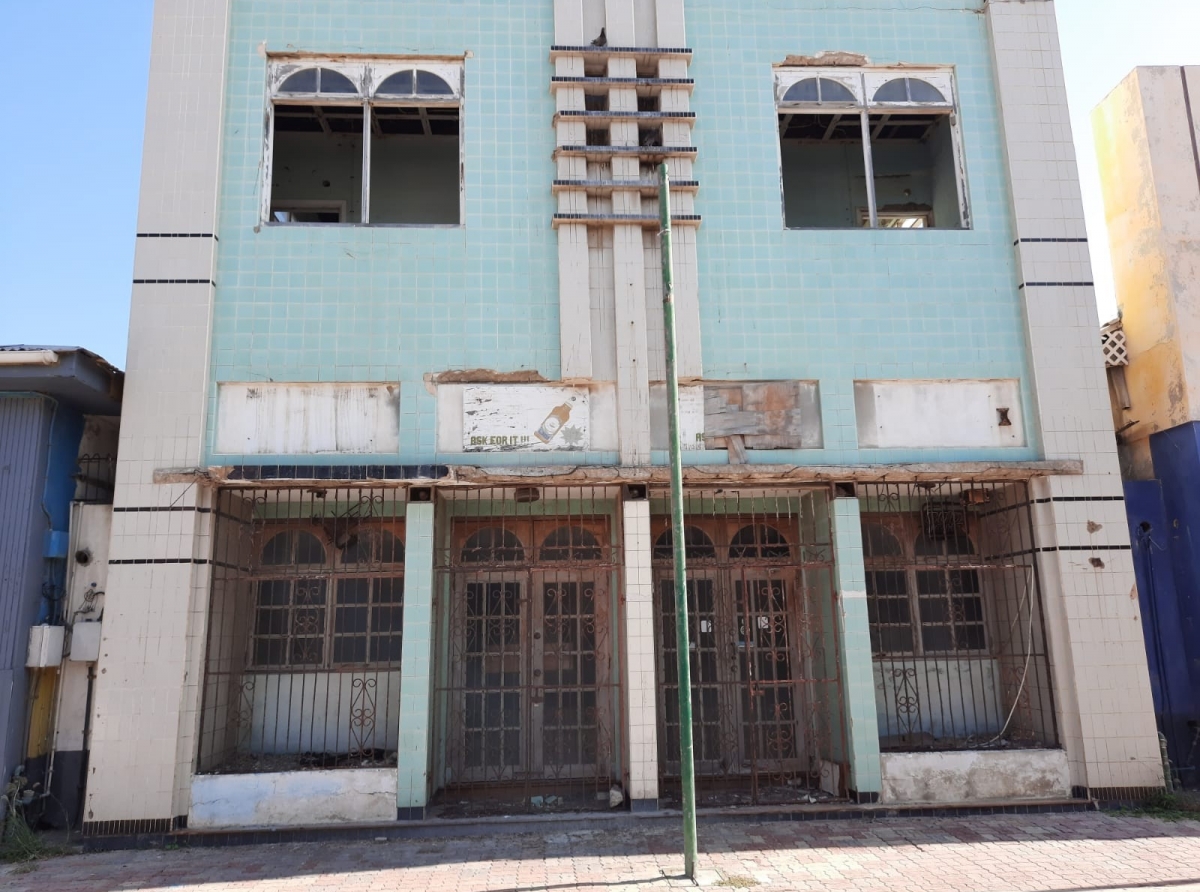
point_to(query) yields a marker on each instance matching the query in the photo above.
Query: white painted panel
(341, 796)
(972, 776)
(931, 414)
(525, 418)
(307, 419)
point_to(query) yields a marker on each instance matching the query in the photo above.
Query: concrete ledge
(459, 828)
(975, 775)
(293, 798)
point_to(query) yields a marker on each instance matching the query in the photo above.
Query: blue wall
(370, 304)
(1176, 454)
(1171, 677)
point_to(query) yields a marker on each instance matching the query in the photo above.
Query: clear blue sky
(70, 161)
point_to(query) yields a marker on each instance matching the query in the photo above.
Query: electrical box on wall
(45, 647)
(85, 642)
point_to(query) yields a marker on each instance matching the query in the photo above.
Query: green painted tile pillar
(854, 651)
(416, 667)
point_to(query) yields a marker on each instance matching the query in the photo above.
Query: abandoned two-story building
(391, 536)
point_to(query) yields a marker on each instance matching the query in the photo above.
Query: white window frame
(863, 83)
(367, 74)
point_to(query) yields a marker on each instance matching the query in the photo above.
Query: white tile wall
(1105, 710)
(640, 684)
(147, 691)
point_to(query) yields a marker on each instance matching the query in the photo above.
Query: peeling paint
(293, 798)
(973, 776)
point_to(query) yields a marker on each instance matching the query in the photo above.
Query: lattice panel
(1112, 342)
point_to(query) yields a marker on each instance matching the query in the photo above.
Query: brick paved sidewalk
(1045, 852)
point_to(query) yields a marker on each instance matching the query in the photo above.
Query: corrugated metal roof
(100, 360)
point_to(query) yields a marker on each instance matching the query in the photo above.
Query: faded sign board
(272, 418)
(525, 418)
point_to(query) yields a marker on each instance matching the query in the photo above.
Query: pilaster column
(416, 672)
(156, 611)
(641, 686)
(854, 653)
(1098, 656)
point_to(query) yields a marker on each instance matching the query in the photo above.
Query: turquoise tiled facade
(351, 303)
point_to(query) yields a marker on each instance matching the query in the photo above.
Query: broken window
(343, 153)
(866, 149)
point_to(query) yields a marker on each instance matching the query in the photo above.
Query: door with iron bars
(766, 706)
(530, 695)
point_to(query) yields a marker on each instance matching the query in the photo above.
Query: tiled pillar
(412, 758)
(854, 653)
(1098, 657)
(156, 610)
(640, 685)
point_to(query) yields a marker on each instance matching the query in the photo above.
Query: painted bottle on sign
(553, 423)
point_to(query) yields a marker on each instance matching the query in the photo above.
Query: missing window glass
(824, 182)
(649, 103)
(316, 166)
(916, 183)
(414, 165)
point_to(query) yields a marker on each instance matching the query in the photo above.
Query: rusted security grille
(527, 695)
(766, 692)
(302, 665)
(957, 633)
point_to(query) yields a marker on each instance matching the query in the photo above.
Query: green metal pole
(687, 765)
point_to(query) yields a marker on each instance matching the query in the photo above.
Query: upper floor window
(876, 148)
(364, 141)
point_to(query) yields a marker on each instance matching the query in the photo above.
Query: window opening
(318, 161)
(414, 165)
(650, 136)
(824, 178)
(392, 159)
(916, 181)
(650, 102)
(891, 162)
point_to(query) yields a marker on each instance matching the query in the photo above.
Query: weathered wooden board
(525, 418)
(765, 414)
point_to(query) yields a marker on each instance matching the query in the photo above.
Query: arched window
(909, 89)
(697, 545)
(949, 598)
(318, 80)
(414, 83)
(570, 544)
(818, 89)
(759, 541)
(293, 547)
(889, 610)
(493, 544)
(879, 542)
(373, 548)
